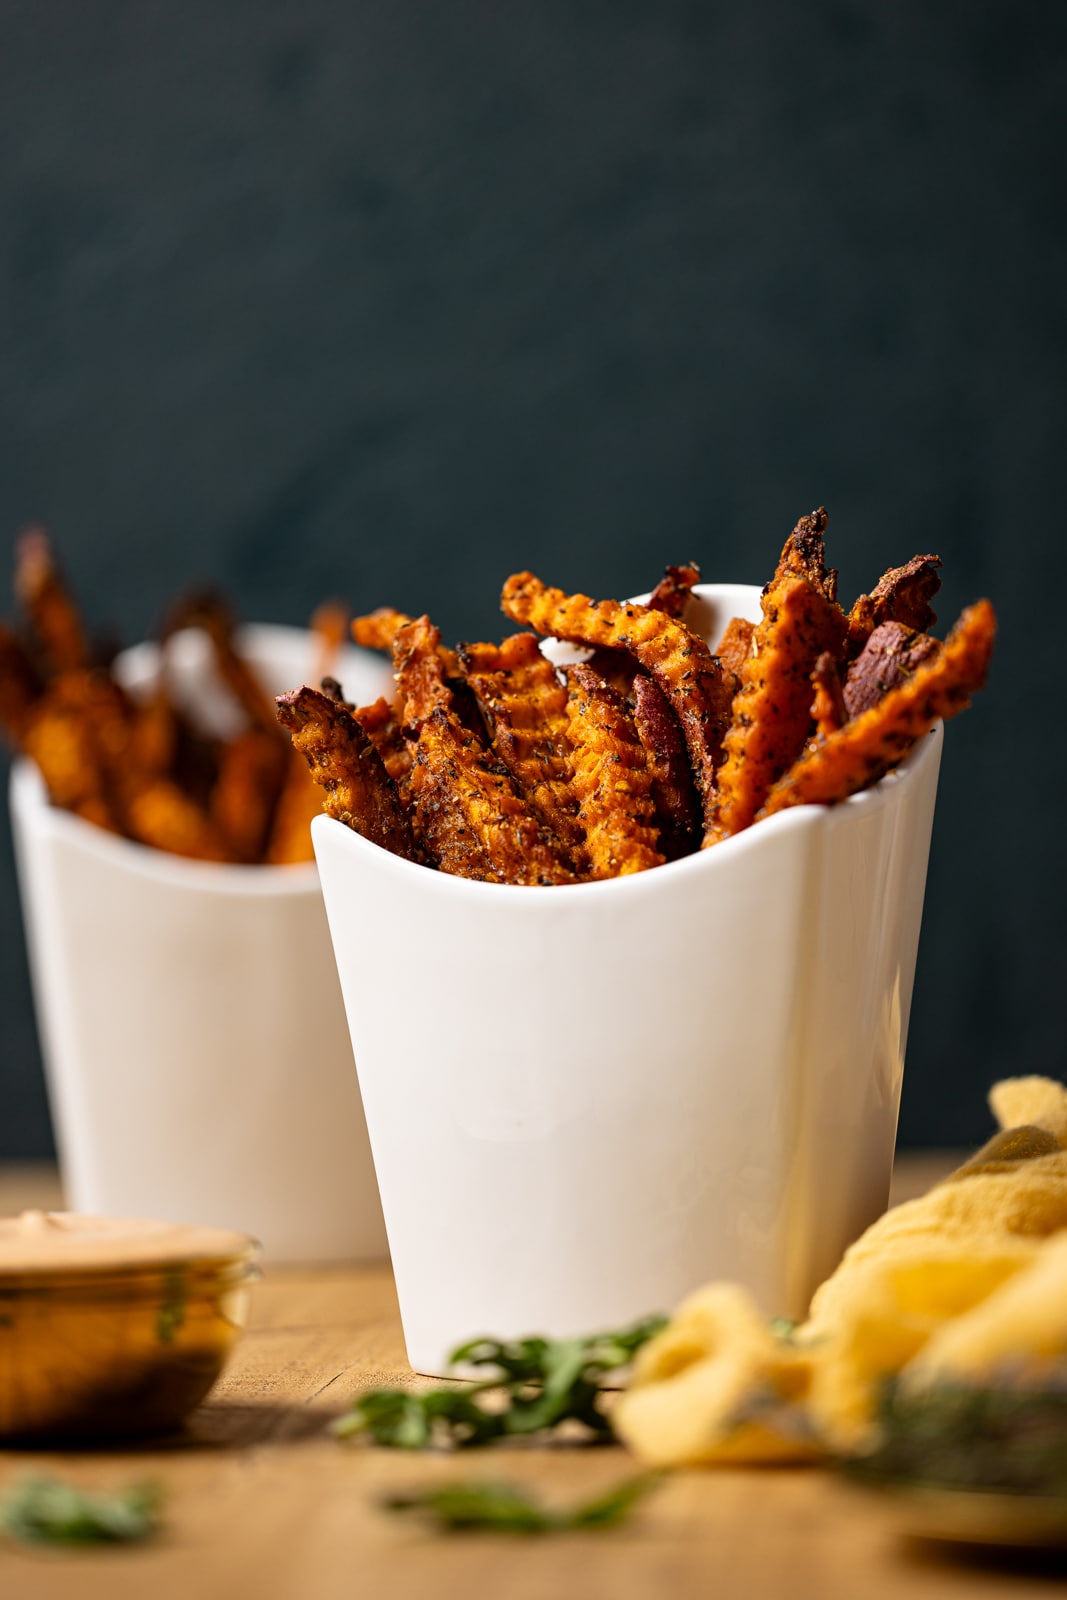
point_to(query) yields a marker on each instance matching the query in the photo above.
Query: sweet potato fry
(381, 722)
(828, 709)
(804, 555)
(252, 772)
(20, 685)
(298, 805)
(49, 608)
(159, 814)
(378, 630)
(903, 595)
(890, 655)
(344, 763)
(524, 706)
(677, 658)
(59, 736)
(735, 646)
(677, 813)
(469, 818)
(772, 708)
(329, 625)
(865, 748)
(612, 779)
(420, 673)
(672, 592)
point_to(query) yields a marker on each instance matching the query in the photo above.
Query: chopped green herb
(42, 1510)
(479, 1506)
(535, 1385)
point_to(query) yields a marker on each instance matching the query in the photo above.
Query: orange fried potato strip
(673, 654)
(20, 685)
(890, 655)
(298, 805)
(612, 779)
(865, 748)
(378, 630)
(735, 646)
(252, 771)
(420, 673)
(828, 709)
(344, 763)
(672, 592)
(329, 625)
(381, 722)
(59, 737)
(157, 813)
(48, 606)
(469, 818)
(772, 708)
(524, 706)
(903, 595)
(673, 795)
(804, 555)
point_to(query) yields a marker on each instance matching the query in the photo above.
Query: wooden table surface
(261, 1502)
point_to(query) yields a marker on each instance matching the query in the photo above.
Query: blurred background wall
(386, 300)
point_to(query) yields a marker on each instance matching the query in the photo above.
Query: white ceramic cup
(585, 1101)
(197, 1057)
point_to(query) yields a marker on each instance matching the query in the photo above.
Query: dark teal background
(388, 300)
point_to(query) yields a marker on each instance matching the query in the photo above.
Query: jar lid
(39, 1243)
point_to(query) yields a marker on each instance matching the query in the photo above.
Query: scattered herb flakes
(535, 1385)
(478, 1506)
(44, 1511)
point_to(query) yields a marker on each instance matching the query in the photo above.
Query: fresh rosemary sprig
(494, 1507)
(534, 1385)
(42, 1510)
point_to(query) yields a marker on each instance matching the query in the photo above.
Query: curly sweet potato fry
(673, 654)
(772, 708)
(612, 779)
(344, 763)
(524, 706)
(867, 747)
(468, 816)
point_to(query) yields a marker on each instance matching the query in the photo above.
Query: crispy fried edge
(865, 748)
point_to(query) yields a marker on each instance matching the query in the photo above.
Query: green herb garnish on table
(535, 1385)
(492, 1507)
(40, 1510)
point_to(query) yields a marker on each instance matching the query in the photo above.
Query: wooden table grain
(261, 1502)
